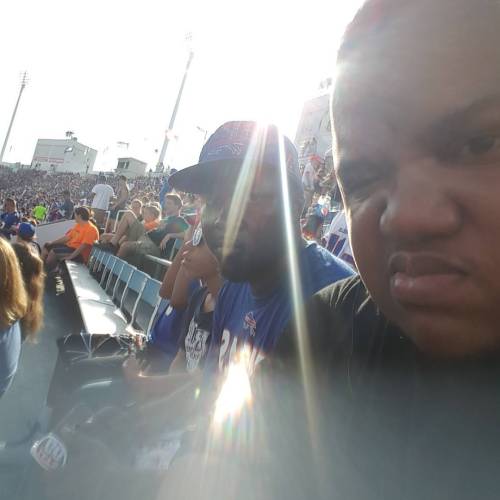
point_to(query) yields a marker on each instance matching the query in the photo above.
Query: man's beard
(241, 269)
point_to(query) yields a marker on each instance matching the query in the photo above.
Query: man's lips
(423, 264)
(425, 279)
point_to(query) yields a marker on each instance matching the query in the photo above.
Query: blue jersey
(240, 318)
(10, 350)
(9, 220)
(168, 326)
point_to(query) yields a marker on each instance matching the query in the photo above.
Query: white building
(14, 166)
(63, 155)
(314, 132)
(131, 167)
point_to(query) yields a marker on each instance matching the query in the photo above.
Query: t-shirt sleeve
(180, 225)
(95, 190)
(90, 236)
(329, 315)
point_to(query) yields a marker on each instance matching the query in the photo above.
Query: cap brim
(200, 178)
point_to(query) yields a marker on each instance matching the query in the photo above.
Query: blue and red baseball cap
(226, 150)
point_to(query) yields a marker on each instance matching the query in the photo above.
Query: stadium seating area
(113, 296)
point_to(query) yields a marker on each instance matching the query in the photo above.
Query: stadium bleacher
(113, 296)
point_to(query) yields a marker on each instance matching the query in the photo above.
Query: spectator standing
(9, 219)
(40, 212)
(103, 193)
(67, 207)
(122, 196)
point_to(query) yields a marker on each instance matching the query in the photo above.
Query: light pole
(204, 132)
(24, 81)
(163, 151)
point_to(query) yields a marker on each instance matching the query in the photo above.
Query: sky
(110, 70)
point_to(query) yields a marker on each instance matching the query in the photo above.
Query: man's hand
(164, 241)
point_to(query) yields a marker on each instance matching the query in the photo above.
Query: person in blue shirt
(13, 307)
(244, 223)
(9, 219)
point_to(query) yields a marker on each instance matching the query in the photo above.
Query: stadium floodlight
(24, 82)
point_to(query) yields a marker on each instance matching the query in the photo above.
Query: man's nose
(419, 207)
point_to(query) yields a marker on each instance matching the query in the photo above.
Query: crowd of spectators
(31, 188)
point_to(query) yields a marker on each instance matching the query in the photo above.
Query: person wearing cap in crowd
(120, 203)
(243, 220)
(403, 361)
(102, 193)
(9, 219)
(26, 234)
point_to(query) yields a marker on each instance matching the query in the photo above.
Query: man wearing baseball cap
(26, 234)
(248, 175)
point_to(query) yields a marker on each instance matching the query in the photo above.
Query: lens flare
(243, 188)
(235, 392)
(296, 293)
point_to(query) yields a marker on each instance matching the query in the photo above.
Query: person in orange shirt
(75, 244)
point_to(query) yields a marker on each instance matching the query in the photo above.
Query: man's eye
(482, 144)
(359, 186)
(476, 150)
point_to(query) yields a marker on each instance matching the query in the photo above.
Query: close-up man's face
(417, 129)
(259, 240)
